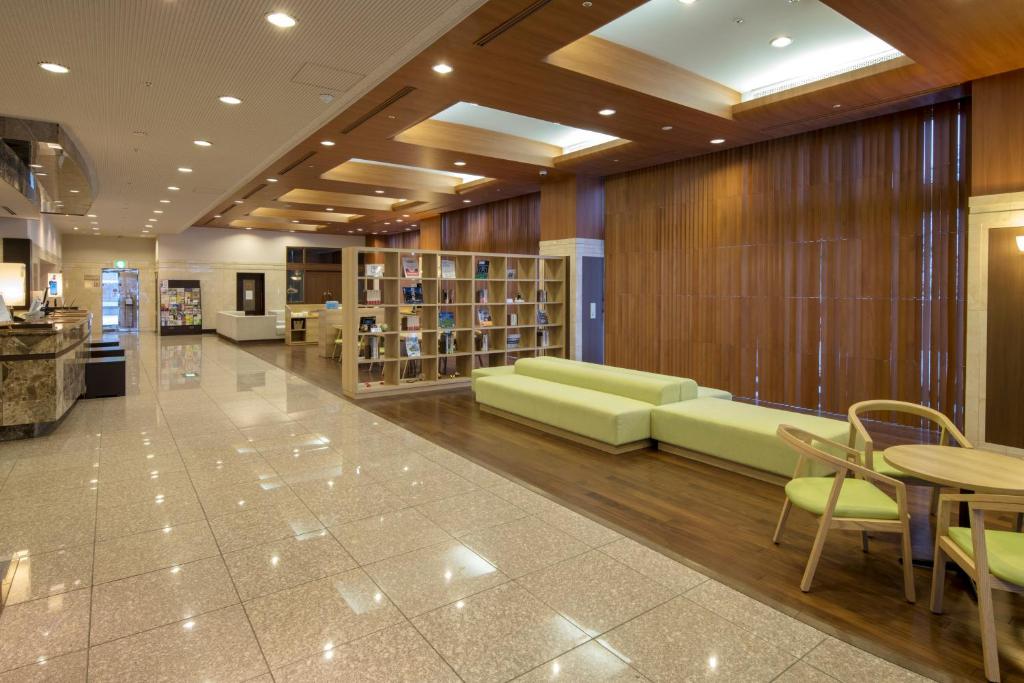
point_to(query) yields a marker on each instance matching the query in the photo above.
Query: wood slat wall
(997, 139)
(813, 271)
(507, 226)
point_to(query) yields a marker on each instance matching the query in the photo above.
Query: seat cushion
(491, 372)
(1005, 551)
(708, 392)
(857, 498)
(639, 386)
(742, 433)
(612, 419)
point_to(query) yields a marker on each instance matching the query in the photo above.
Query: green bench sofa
(739, 436)
(604, 408)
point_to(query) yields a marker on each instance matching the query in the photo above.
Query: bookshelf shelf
(449, 339)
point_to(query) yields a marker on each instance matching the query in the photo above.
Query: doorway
(120, 299)
(250, 298)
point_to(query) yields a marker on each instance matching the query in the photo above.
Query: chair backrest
(804, 443)
(858, 430)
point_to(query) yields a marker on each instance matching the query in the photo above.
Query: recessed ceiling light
(54, 68)
(202, 143)
(228, 99)
(359, 229)
(173, 188)
(405, 215)
(238, 201)
(216, 215)
(442, 68)
(152, 220)
(329, 209)
(408, 229)
(271, 180)
(781, 41)
(75, 228)
(836, 106)
(35, 165)
(54, 145)
(606, 112)
(666, 127)
(466, 201)
(145, 231)
(93, 223)
(92, 215)
(387, 223)
(281, 20)
(460, 163)
(184, 169)
(327, 143)
(248, 228)
(717, 141)
(157, 211)
(379, 191)
(74, 191)
(165, 201)
(687, 2)
(294, 221)
(399, 220)
(40, 174)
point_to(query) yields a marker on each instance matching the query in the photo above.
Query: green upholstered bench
(739, 436)
(597, 418)
(491, 372)
(708, 392)
(642, 386)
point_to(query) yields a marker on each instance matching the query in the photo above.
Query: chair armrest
(983, 501)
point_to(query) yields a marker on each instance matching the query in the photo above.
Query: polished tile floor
(229, 521)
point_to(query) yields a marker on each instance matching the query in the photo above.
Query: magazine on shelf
(483, 269)
(373, 297)
(447, 269)
(482, 341)
(367, 323)
(542, 296)
(481, 295)
(512, 341)
(543, 338)
(413, 295)
(513, 319)
(412, 346)
(446, 343)
(374, 270)
(483, 317)
(510, 274)
(411, 322)
(410, 266)
(446, 320)
(372, 348)
(542, 317)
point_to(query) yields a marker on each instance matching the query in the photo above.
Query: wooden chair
(849, 500)
(857, 429)
(993, 559)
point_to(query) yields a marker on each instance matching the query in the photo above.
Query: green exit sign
(119, 263)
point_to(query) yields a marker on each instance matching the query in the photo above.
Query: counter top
(50, 336)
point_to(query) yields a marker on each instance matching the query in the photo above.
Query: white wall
(84, 258)
(46, 244)
(214, 256)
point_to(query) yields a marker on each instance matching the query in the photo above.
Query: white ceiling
(568, 138)
(464, 177)
(705, 38)
(146, 75)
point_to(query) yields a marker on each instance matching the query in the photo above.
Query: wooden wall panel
(572, 207)
(997, 134)
(1004, 412)
(814, 271)
(430, 233)
(508, 226)
(398, 240)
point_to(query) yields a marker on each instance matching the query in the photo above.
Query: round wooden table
(968, 469)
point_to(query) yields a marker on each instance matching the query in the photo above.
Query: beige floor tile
(339, 472)
(121, 608)
(227, 500)
(124, 520)
(317, 459)
(216, 646)
(580, 527)
(299, 622)
(270, 523)
(498, 634)
(397, 654)
(69, 668)
(804, 673)
(30, 483)
(43, 532)
(267, 432)
(466, 512)
(80, 457)
(277, 565)
(595, 592)
(428, 578)
(289, 445)
(393, 533)
(523, 546)
(683, 641)
(239, 471)
(115, 468)
(652, 564)
(589, 662)
(43, 628)
(340, 505)
(852, 665)
(430, 487)
(392, 464)
(125, 492)
(781, 630)
(39, 576)
(58, 501)
(151, 550)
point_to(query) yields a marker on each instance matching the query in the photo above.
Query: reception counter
(43, 371)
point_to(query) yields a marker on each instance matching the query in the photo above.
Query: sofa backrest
(640, 386)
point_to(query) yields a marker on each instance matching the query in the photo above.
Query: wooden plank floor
(721, 523)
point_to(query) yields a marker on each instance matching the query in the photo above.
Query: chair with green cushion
(849, 500)
(878, 464)
(993, 559)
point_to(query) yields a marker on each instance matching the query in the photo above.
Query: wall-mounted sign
(119, 263)
(54, 284)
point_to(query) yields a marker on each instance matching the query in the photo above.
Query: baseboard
(571, 436)
(721, 463)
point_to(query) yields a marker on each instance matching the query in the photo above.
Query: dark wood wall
(1004, 413)
(997, 139)
(815, 270)
(508, 226)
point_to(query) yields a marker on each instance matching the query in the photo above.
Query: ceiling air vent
(510, 22)
(254, 190)
(295, 163)
(378, 109)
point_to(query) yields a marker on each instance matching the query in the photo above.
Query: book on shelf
(446, 343)
(542, 296)
(481, 295)
(542, 317)
(447, 269)
(482, 341)
(411, 323)
(369, 348)
(446, 320)
(374, 269)
(543, 338)
(447, 297)
(483, 317)
(483, 269)
(411, 346)
(373, 297)
(410, 266)
(512, 341)
(513, 319)
(413, 295)
(367, 323)
(510, 274)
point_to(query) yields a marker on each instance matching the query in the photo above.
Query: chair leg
(909, 590)
(786, 507)
(938, 578)
(934, 509)
(864, 541)
(989, 645)
(815, 556)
